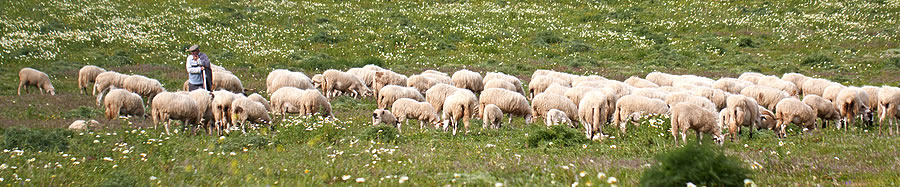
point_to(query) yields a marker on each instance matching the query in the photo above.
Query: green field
(850, 42)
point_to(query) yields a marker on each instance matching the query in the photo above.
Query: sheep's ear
(238, 109)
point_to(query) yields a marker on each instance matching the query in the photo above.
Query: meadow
(850, 42)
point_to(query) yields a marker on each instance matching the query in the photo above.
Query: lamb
(831, 92)
(775, 82)
(697, 100)
(492, 116)
(438, 93)
(406, 108)
(146, 87)
(690, 116)
(792, 110)
(204, 103)
(387, 77)
(459, 105)
(344, 82)
(543, 102)
(740, 111)
(556, 117)
(391, 93)
(508, 78)
(83, 125)
(752, 77)
(731, 85)
(423, 82)
(246, 110)
(511, 103)
(661, 79)
(766, 96)
(283, 98)
(261, 100)
(814, 86)
(122, 102)
(640, 83)
(287, 79)
(33, 77)
(312, 102)
(167, 106)
(227, 81)
(468, 80)
(593, 113)
(851, 102)
(888, 102)
(557, 89)
(795, 78)
(632, 107)
(366, 75)
(87, 75)
(384, 116)
(502, 84)
(107, 79)
(717, 96)
(538, 85)
(824, 108)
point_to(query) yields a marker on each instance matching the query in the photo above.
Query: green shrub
(559, 135)
(547, 38)
(37, 139)
(578, 47)
(701, 165)
(382, 133)
(818, 60)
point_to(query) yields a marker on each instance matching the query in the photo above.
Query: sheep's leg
(510, 118)
(21, 83)
(167, 127)
(699, 137)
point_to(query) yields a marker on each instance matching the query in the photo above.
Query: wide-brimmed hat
(193, 48)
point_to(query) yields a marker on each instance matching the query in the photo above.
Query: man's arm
(188, 66)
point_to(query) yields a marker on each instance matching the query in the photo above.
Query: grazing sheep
(717, 96)
(261, 100)
(344, 82)
(580, 79)
(366, 75)
(317, 81)
(437, 94)
(824, 108)
(538, 85)
(676, 98)
(387, 77)
(775, 82)
(764, 95)
(33, 77)
(557, 89)
(814, 86)
(283, 98)
(83, 125)
(653, 93)
(795, 78)
(693, 81)
(543, 102)
(661, 79)
(245, 110)
(492, 116)
(767, 118)
(831, 92)
(568, 78)
(204, 100)
(384, 116)
(87, 75)
(593, 113)
(752, 77)
(792, 110)
(731, 85)
(577, 93)
(274, 73)
(423, 82)
(690, 116)
(167, 106)
(502, 84)
(287, 79)
(221, 108)
(219, 69)
(438, 77)
(873, 96)
(672, 90)
(620, 89)
(468, 80)
(556, 117)
(511, 103)
(108, 79)
(740, 111)
(633, 107)
(313, 102)
(227, 81)
(122, 102)
(460, 105)
(888, 103)
(508, 78)
(851, 102)
(146, 87)
(391, 93)
(435, 72)
(640, 83)
(406, 108)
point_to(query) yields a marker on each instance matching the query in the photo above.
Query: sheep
(578, 93)
(317, 81)
(831, 92)
(406, 108)
(511, 103)
(717, 96)
(888, 102)
(423, 82)
(873, 96)
(508, 78)
(459, 105)
(29, 77)
(438, 93)
(632, 107)
(556, 117)
(566, 77)
(141, 85)
(391, 93)
(439, 77)
(227, 81)
(731, 85)
(661, 79)
(167, 106)
(686, 116)
(775, 82)
(287, 79)
(538, 85)
(271, 77)
(640, 83)
(107, 79)
(219, 69)
(673, 99)
(221, 108)
(83, 125)
(387, 77)
(492, 116)
(766, 96)
(344, 82)
(752, 77)
(815, 86)
(366, 75)
(580, 79)
(246, 110)
(373, 67)
(851, 102)
(282, 99)
(540, 72)
(767, 118)
(435, 72)
(502, 84)
(543, 102)
(383, 116)
(795, 78)
(261, 100)
(792, 110)
(653, 93)
(824, 108)
(740, 111)
(122, 102)
(468, 80)
(593, 113)
(557, 89)
(312, 101)
(87, 75)
(204, 100)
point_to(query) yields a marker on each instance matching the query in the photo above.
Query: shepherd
(198, 68)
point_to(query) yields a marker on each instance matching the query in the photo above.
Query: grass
(849, 42)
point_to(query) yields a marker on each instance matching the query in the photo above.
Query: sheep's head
(49, 88)
(867, 115)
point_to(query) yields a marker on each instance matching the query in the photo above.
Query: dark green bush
(816, 60)
(382, 133)
(578, 47)
(701, 165)
(37, 139)
(547, 38)
(747, 42)
(560, 135)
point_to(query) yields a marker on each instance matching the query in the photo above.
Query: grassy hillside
(852, 42)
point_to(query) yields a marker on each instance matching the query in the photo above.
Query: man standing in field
(198, 68)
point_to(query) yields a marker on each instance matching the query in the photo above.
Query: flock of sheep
(436, 98)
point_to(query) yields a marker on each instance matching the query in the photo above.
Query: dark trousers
(192, 87)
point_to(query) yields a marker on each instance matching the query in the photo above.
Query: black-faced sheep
(344, 82)
(380, 116)
(791, 110)
(167, 106)
(33, 77)
(122, 102)
(459, 105)
(86, 77)
(690, 116)
(492, 116)
(438, 93)
(391, 93)
(511, 103)
(468, 80)
(406, 108)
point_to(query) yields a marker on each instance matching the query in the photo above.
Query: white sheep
(435, 72)
(686, 116)
(676, 98)
(873, 96)
(511, 103)
(661, 79)
(775, 82)
(227, 81)
(438, 93)
(556, 117)
(653, 93)
(317, 81)
(824, 108)
(204, 101)
(122, 102)
(406, 108)
(344, 82)
(578, 93)
(792, 110)
(387, 77)
(167, 106)
(83, 125)
(731, 85)
(851, 102)
(423, 82)
(244, 110)
(633, 107)
(492, 116)
(391, 93)
(640, 83)
(815, 86)
(539, 84)
(366, 75)
(795, 78)
(439, 77)
(831, 92)
(766, 96)
(108, 79)
(767, 118)
(740, 111)
(87, 75)
(543, 102)
(468, 80)
(283, 98)
(221, 108)
(580, 79)
(384, 116)
(888, 103)
(508, 78)
(141, 85)
(752, 77)
(568, 78)
(557, 89)
(459, 105)
(271, 77)
(33, 77)
(502, 84)
(313, 102)
(287, 79)
(593, 113)
(261, 100)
